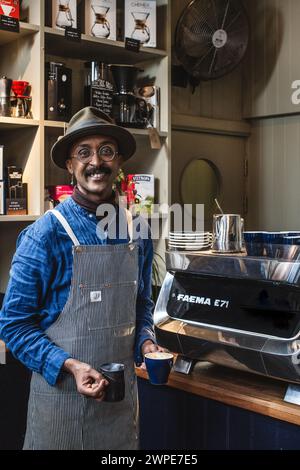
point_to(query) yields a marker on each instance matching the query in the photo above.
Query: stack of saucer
(191, 241)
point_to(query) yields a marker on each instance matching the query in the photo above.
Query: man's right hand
(90, 382)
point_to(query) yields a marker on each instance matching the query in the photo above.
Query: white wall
(274, 148)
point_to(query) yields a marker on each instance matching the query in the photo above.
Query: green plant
(120, 183)
(156, 278)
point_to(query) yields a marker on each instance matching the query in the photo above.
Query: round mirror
(200, 184)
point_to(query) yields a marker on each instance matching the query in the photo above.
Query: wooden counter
(232, 387)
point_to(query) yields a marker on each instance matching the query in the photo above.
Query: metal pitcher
(228, 233)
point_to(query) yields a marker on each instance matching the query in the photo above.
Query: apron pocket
(109, 305)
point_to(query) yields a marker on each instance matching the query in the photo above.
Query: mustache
(99, 169)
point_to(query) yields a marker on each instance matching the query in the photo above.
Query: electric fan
(211, 38)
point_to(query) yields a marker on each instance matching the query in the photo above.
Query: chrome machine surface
(235, 310)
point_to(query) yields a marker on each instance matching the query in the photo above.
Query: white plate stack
(190, 241)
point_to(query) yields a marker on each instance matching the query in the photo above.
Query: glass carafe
(141, 31)
(64, 17)
(101, 27)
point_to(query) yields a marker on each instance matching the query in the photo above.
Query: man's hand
(147, 347)
(90, 382)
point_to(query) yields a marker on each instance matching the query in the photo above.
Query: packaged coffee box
(58, 194)
(2, 198)
(10, 8)
(140, 193)
(101, 19)
(14, 180)
(1, 163)
(18, 205)
(64, 14)
(140, 21)
(16, 192)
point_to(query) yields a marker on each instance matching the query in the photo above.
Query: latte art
(159, 355)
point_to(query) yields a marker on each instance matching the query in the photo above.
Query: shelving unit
(27, 142)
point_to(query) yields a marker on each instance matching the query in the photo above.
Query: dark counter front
(14, 392)
(213, 408)
(217, 408)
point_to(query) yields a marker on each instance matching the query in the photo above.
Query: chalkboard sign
(7, 23)
(73, 34)
(102, 96)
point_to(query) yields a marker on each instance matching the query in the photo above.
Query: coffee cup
(158, 365)
(114, 374)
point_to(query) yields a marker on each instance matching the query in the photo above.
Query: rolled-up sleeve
(31, 273)
(144, 306)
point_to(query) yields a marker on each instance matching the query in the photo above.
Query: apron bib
(96, 326)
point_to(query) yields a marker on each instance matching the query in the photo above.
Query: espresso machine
(129, 110)
(233, 309)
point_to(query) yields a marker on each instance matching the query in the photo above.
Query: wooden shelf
(25, 30)
(184, 122)
(18, 218)
(90, 47)
(57, 124)
(12, 123)
(145, 132)
(136, 132)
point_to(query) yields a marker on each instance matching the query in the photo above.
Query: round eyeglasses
(106, 152)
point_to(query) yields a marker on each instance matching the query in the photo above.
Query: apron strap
(130, 225)
(66, 226)
(72, 235)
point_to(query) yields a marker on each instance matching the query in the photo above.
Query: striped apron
(96, 326)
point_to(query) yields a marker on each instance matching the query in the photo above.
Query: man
(76, 300)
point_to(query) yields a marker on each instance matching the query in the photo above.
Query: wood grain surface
(241, 389)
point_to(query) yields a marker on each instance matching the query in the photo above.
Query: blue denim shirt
(39, 285)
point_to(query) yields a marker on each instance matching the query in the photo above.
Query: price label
(154, 138)
(73, 34)
(132, 44)
(7, 23)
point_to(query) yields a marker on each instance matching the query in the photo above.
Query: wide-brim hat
(91, 121)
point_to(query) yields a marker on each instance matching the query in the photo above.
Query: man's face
(96, 176)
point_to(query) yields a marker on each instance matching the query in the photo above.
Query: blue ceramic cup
(254, 243)
(159, 365)
(291, 240)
